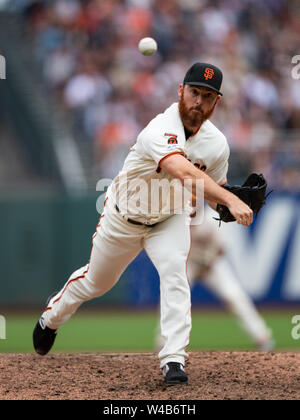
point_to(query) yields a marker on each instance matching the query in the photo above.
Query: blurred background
(76, 94)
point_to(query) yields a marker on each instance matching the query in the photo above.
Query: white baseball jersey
(164, 135)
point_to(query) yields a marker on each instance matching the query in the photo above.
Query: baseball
(147, 46)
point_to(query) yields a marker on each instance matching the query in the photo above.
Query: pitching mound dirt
(212, 375)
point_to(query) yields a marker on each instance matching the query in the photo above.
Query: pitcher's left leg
(168, 246)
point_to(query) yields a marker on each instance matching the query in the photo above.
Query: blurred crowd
(87, 50)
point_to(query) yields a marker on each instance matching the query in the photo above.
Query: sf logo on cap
(208, 74)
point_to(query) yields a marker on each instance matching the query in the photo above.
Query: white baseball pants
(115, 244)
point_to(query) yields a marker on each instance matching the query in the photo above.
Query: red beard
(192, 117)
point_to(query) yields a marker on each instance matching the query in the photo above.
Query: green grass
(134, 332)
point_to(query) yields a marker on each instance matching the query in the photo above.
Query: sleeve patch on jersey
(172, 138)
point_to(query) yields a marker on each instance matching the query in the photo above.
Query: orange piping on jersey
(158, 169)
(192, 135)
(170, 135)
(224, 183)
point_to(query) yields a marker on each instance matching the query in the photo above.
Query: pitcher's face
(196, 104)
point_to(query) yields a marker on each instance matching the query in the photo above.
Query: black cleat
(43, 337)
(174, 374)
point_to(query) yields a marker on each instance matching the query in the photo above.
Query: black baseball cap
(204, 74)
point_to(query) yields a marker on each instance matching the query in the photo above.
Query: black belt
(134, 222)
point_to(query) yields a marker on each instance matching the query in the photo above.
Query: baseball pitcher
(179, 144)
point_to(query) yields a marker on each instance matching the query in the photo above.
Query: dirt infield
(212, 375)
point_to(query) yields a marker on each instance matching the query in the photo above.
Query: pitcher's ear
(180, 90)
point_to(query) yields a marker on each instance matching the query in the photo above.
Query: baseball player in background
(180, 144)
(209, 266)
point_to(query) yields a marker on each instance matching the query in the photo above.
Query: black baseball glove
(252, 192)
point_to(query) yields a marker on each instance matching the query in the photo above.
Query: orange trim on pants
(83, 275)
(69, 282)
